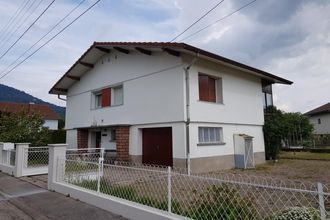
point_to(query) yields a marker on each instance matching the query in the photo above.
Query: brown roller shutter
(106, 97)
(212, 90)
(203, 90)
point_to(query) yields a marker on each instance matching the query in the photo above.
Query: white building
(165, 103)
(320, 118)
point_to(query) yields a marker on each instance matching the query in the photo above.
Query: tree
(23, 127)
(288, 127)
(272, 132)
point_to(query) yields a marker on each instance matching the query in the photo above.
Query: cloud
(288, 38)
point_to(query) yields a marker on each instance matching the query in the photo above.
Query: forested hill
(10, 94)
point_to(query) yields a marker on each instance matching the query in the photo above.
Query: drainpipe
(187, 122)
(59, 97)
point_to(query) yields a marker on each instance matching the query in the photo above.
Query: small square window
(210, 88)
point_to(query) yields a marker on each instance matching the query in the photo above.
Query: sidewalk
(22, 200)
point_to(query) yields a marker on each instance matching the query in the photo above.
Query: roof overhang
(99, 49)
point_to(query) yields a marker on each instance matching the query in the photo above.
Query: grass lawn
(304, 155)
(300, 170)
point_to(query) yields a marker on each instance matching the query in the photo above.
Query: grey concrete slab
(22, 200)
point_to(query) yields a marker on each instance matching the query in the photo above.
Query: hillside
(10, 94)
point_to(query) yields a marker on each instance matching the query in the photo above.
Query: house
(320, 118)
(165, 103)
(48, 114)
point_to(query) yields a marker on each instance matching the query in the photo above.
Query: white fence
(24, 160)
(176, 194)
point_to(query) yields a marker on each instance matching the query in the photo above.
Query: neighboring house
(320, 118)
(48, 114)
(165, 103)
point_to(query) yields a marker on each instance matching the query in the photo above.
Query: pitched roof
(44, 110)
(98, 49)
(319, 110)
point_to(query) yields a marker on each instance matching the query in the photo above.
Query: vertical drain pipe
(187, 122)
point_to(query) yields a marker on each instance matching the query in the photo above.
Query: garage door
(157, 146)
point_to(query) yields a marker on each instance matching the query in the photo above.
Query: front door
(157, 146)
(97, 139)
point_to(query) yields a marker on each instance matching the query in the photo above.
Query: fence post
(20, 158)
(169, 190)
(321, 200)
(100, 168)
(189, 164)
(56, 152)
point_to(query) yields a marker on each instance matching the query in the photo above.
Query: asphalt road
(22, 200)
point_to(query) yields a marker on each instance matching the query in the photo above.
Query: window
(98, 100)
(267, 94)
(210, 135)
(319, 121)
(210, 88)
(118, 95)
(108, 97)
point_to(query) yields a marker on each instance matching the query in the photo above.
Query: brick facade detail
(82, 138)
(122, 143)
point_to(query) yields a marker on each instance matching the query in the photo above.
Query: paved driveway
(22, 200)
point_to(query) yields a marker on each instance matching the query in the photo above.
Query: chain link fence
(218, 196)
(36, 156)
(85, 154)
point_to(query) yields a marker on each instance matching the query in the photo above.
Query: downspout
(59, 97)
(187, 122)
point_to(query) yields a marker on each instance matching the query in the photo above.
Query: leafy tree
(23, 127)
(61, 124)
(279, 127)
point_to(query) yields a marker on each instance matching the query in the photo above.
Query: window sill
(98, 108)
(211, 144)
(216, 103)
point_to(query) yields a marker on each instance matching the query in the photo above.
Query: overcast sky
(289, 38)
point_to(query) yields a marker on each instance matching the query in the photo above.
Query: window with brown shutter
(106, 97)
(208, 88)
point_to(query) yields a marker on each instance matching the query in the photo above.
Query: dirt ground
(300, 170)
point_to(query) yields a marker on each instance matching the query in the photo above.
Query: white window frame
(97, 104)
(113, 100)
(210, 135)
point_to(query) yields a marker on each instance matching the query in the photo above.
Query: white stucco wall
(158, 100)
(51, 124)
(71, 139)
(242, 96)
(149, 98)
(324, 127)
(228, 135)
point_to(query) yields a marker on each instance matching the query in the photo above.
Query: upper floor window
(98, 100)
(108, 97)
(267, 94)
(319, 121)
(117, 95)
(210, 88)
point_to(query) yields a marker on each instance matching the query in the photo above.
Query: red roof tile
(44, 110)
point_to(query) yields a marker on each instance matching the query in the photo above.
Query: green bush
(222, 202)
(296, 213)
(57, 136)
